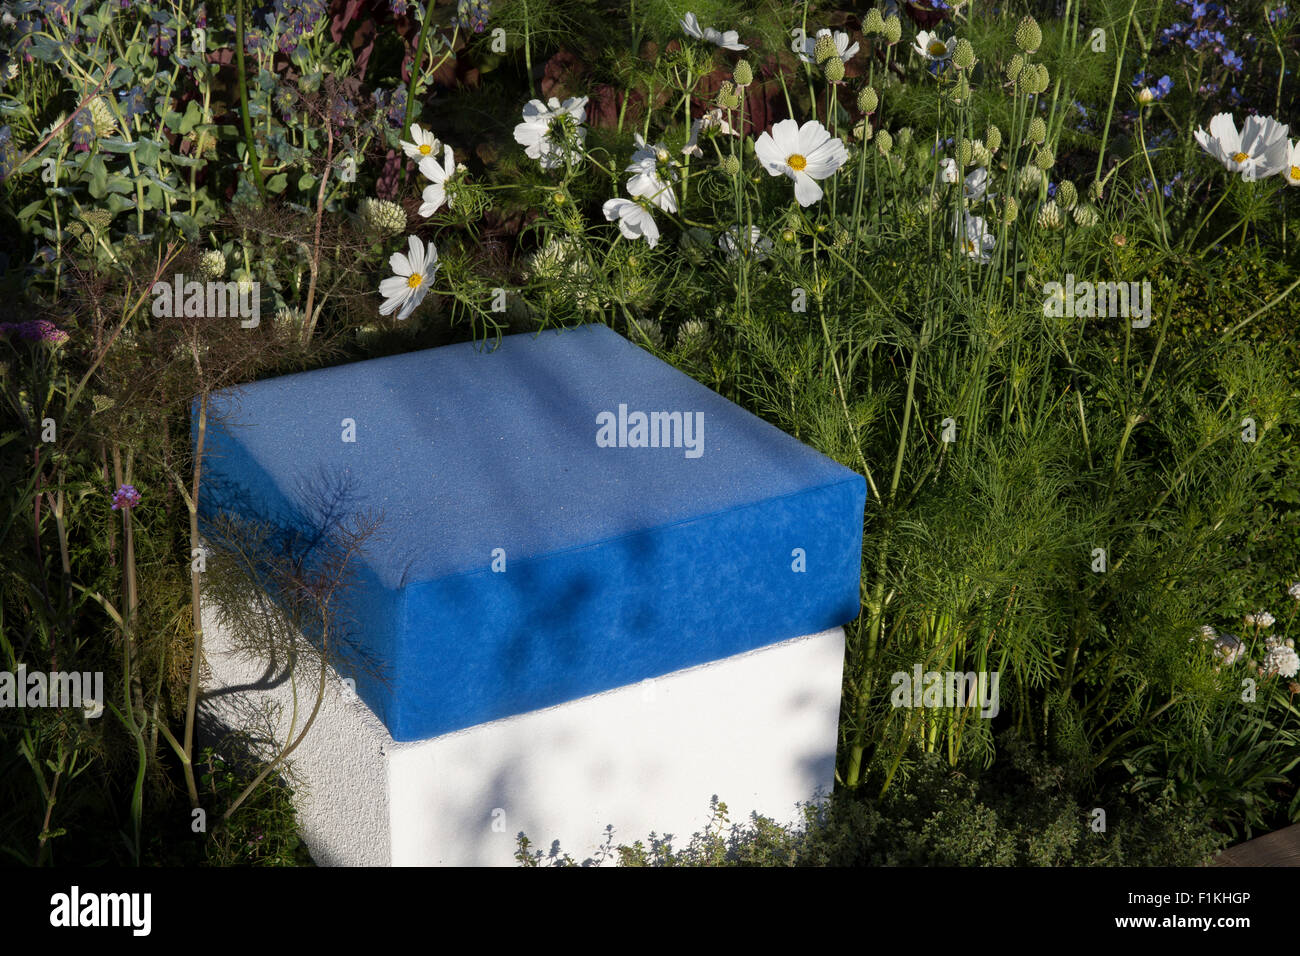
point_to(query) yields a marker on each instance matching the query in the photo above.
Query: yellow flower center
(426, 149)
(968, 246)
(1295, 172)
(415, 280)
(937, 48)
(797, 162)
(1240, 157)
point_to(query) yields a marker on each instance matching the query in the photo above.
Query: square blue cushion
(621, 563)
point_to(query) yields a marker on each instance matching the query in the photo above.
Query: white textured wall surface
(758, 729)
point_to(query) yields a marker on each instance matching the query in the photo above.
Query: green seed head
(993, 139)
(884, 142)
(980, 155)
(1067, 195)
(1028, 36)
(893, 30)
(1085, 217)
(963, 57)
(731, 165)
(903, 138)
(833, 69)
(1044, 158)
(874, 23)
(1097, 191)
(743, 74)
(863, 131)
(1014, 66)
(1009, 210)
(1037, 131)
(824, 48)
(1041, 80)
(868, 99)
(964, 152)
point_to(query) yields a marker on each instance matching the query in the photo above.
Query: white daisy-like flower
(413, 275)
(842, 48)
(804, 153)
(425, 143)
(634, 220)
(933, 49)
(435, 194)
(760, 247)
(1259, 150)
(1291, 170)
(552, 132)
(713, 119)
(1260, 619)
(1281, 660)
(976, 184)
(726, 39)
(1294, 590)
(1228, 648)
(974, 237)
(647, 181)
(948, 172)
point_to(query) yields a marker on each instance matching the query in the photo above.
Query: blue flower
(1232, 61)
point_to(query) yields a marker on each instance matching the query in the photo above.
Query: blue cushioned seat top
(531, 551)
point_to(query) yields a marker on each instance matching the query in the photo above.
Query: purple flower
(472, 15)
(1278, 15)
(133, 102)
(397, 6)
(125, 498)
(83, 131)
(37, 330)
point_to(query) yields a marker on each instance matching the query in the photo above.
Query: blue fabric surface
(621, 563)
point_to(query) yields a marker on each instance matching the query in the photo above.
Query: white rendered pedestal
(758, 729)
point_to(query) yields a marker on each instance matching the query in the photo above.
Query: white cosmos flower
(760, 247)
(804, 153)
(436, 194)
(713, 119)
(647, 182)
(842, 48)
(552, 131)
(414, 274)
(1259, 150)
(426, 144)
(634, 220)
(974, 237)
(1291, 171)
(932, 48)
(948, 171)
(726, 40)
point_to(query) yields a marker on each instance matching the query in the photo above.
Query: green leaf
(306, 181)
(188, 226)
(115, 144)
(193, 116)
(98, 172)
(147, 152)
(30, 209)
(277, 183)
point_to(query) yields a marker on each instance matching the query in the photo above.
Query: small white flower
(842, 48)
(1259, 150)
(435, 194)
(932, 49)
(426, 144)
(634, 220)
(976, 184)
(948, 171)
(1281, 660)
(647, 182)
(1294, 590)
(760, 247)
(1291, 171)
(726, 40)
(413, 274)
(1260, 619)
(552, 132)
(713, 119)
(804, 153)
(974, 237)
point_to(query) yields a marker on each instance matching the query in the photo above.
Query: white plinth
(758, 729)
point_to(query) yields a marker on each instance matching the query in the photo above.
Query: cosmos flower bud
(1028, 36)
(963, 57)
(868, 99)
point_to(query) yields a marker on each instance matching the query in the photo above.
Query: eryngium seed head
(833, 69)
(993, 139)
(1009, 210)
(964, 152)
(893, 30)
(743, 73)
(1067, 195)
(1036, 132)
(1014, 66)
(1097, 191)
(963, 57)
(1044, 158)
(868, 99)
(874, 23)
(731, 165)
(1028, 36)
(884, 142)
